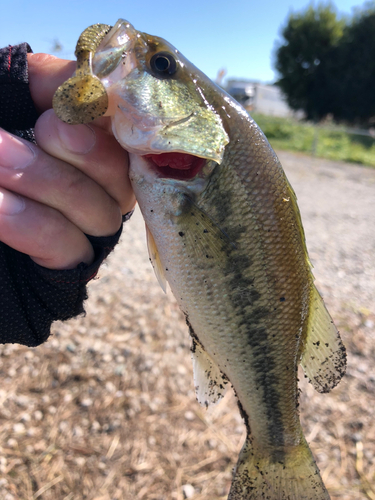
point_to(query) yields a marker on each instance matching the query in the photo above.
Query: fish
(225, 234)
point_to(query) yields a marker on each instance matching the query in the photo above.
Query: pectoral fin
(205, 237)
(324, 357)
(155, 260)
(208, 379)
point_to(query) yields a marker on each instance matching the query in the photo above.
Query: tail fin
(291, 476)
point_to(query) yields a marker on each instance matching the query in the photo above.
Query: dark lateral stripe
(244, 296)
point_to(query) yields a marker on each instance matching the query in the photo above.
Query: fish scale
(198, 311)
(228, 238)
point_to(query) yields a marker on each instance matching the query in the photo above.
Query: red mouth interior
(177, 165)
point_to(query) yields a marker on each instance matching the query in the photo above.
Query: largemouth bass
(224, 231)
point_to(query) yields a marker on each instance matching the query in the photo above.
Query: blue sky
(238, 35)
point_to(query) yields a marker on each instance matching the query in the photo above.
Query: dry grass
(106, 410)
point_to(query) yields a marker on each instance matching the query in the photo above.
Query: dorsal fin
(324, 356)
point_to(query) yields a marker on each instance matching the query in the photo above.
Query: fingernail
(78, 139)
(14, 153)
(11, 204)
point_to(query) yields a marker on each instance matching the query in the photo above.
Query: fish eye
(163, 64)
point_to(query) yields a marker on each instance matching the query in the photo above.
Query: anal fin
(208, 379)
(324, 357)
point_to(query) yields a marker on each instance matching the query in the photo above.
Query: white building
(260, 98)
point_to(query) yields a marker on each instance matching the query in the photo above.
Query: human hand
(74, 182)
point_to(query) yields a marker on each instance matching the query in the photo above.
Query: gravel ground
(106, 410)
(337, 204)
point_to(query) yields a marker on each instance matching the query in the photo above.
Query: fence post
(315, 141)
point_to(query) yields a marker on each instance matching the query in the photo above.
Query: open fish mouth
(181, 166)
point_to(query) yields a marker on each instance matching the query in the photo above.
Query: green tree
(352, 69)
(303, 55)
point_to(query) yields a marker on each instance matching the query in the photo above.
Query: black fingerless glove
(31, 296)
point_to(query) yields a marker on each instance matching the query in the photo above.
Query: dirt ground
(106, 410)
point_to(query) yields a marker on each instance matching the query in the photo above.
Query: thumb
(46, 73)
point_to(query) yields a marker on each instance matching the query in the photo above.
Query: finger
(42, 232)
(93, 151)
(29, 171)
(46, 73)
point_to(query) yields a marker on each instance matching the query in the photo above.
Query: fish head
(158, 101)
(164, 111)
